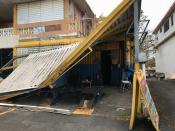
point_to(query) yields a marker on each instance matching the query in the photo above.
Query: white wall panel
(165, 57)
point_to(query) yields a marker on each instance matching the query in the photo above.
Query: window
(161, 30)
(166, 26)
(172, 21)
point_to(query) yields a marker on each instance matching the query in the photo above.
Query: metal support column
(136, 30)
(137, 50)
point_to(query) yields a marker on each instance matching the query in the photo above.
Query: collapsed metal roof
(43, 69)
(35, 69)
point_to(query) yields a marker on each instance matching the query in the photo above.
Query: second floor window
(161, 30)
(172, 20)
(166, 26)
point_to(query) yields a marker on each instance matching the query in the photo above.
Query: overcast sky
(154, 9)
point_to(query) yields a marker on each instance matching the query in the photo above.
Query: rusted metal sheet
(35, 69)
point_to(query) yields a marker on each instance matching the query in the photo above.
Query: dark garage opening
(106, 67)
(5, 56)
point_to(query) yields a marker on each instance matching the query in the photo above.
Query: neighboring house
(33, 21)
(48, 18)
(165, 44)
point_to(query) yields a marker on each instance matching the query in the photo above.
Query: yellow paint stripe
(8, 111)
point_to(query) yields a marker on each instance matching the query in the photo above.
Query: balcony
(5, 32)
(54, 29)
(7, 38)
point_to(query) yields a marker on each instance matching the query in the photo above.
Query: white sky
(154, 9)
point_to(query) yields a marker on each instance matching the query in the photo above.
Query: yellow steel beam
(117, 27)
(15, 53)
(108, 36)
(55, 42)
(7, 68)
(94, 36)
(134, 98)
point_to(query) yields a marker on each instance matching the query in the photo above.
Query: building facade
(165, 44)
(41, 25)
(32, 26)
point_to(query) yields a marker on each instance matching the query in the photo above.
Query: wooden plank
(38, 108)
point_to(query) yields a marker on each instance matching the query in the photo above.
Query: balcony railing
(6, 32)
(80, 28)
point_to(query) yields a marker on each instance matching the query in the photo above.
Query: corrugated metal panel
(40, 11)
(35, 69)
(32, 50)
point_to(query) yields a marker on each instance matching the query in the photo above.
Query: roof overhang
(83, 5)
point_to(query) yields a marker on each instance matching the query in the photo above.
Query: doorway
(106, 67)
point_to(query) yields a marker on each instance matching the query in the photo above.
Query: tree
(147, 40)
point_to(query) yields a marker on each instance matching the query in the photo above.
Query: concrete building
(165, 44)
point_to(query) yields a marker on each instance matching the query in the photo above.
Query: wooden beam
(15, 18)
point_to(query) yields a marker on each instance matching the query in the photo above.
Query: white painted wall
(165, 58)
(7, 38)
(8, 41)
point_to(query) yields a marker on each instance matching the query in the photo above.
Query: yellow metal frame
(89, 40)
(15, 54)
(134, 98)
(7, 68)
(64, 41)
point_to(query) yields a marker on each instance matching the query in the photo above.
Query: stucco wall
(165, 58)
(8, 41)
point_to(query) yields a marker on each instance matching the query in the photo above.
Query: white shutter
(34, 12)
(58, 9)
(22, 13)
(46, 10)
(40, 11)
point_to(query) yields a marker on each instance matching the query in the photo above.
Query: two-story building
(165, 44)
(40, 23)
(35, 26)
